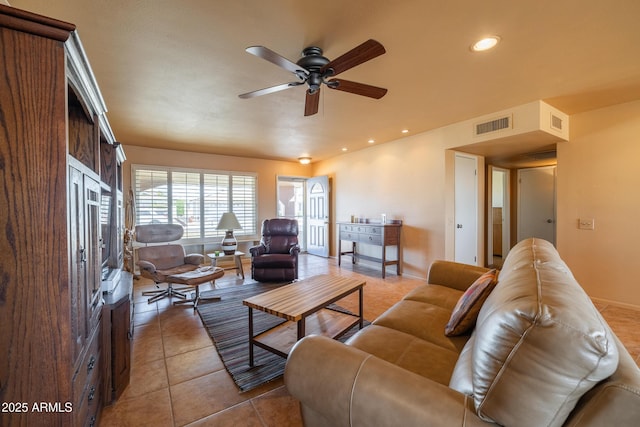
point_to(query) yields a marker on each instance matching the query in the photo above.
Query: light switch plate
(586, 224)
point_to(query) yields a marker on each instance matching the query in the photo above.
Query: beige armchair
(168, 263)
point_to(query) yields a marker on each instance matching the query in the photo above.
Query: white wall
(404, 179)
(599, 178)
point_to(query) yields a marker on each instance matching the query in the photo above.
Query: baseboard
(615, 303)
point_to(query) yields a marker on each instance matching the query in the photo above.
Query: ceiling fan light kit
(315, 70)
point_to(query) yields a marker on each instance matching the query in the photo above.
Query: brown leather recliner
(276, 258)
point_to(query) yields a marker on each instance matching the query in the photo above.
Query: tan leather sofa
(540, 355)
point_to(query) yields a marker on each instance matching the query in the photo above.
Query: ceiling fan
(314, 70)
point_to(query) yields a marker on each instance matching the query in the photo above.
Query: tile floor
(178, 379)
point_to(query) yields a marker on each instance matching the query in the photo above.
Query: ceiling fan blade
(267, 90)
(357, 88)
(356, 56)
(311, 103)
(277, 59)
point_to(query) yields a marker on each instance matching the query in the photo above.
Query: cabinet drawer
(88, 371)
(372, 239)
(349, 236)
(347, 227)
(370, 229)
(87, 409)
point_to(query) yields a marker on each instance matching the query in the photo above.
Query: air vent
(556, 122)
(542, 155)
(493, 125)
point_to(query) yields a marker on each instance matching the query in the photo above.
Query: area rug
(227, 322)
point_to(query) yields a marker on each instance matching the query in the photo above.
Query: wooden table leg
(360, 309)
(239, 268)
(301, 324)
(353, 252)
(384, 260)
(251, 337)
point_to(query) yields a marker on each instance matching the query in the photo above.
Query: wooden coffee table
(304, 305)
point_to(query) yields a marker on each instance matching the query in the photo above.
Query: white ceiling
(171, 71)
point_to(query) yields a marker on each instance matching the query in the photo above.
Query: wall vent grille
(556, 122)
(493, 125)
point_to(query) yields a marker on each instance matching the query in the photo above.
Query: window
(194, 199)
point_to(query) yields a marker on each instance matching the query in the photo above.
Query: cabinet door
(120, 347)
(77, 256)
(84, 237)
(93, 250)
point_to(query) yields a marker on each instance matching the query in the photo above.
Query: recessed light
(485, 44)
(344, 148)
(405, 130)
(371, 141)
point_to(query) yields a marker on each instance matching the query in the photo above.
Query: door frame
(302, 228)
(303, 221)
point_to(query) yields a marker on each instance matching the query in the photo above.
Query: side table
(237, 257)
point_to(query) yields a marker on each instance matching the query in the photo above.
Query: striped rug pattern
(226, 322)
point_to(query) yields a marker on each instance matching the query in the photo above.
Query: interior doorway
(498, 217)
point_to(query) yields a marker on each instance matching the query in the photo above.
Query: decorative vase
(229, 243)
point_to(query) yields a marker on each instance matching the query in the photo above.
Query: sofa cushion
(407, 351)
(540, 343)
(441, 296)
(465, 313)
(422, 320)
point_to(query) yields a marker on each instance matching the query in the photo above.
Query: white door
(466, 209)
(537, 203)
(318, 216)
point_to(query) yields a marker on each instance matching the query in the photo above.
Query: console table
(376, 234)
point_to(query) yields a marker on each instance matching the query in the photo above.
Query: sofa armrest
(194, 259)
(454, 274)
(340, 385)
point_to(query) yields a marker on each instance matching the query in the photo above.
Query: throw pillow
(465, 313)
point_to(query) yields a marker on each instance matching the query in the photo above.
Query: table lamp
(229, 222)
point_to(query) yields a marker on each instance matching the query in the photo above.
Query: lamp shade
(228, 221)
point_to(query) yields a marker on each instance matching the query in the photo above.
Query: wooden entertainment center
(65, 343)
